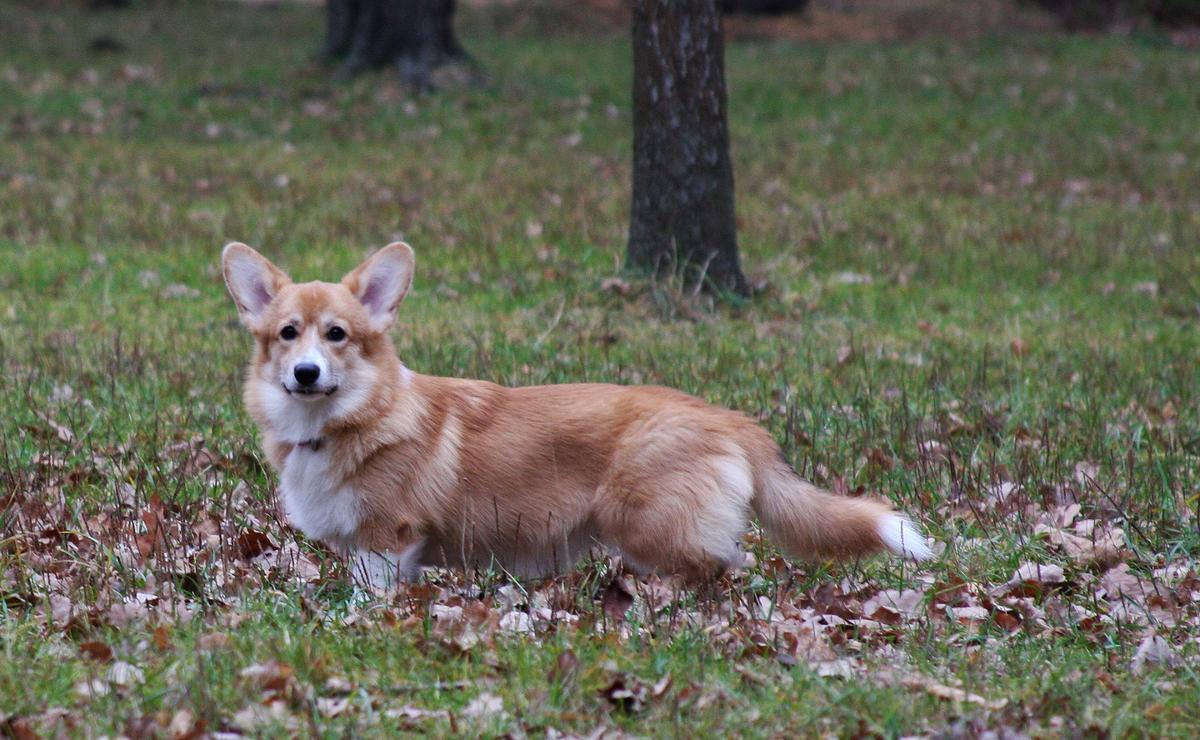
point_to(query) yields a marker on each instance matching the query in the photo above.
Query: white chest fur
(317, 500)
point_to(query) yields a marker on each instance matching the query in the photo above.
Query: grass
(977, 264)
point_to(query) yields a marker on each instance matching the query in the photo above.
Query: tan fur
(534, 477)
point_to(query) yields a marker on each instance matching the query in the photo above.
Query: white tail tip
(902, 537)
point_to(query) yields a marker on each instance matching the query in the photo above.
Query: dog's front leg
(380, 571)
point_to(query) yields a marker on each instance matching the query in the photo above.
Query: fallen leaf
(213, 641)
(185, 726)
(616, 601)
(96, 650)
(625, 693)
(125, 674)
(892, 606)
(661, 686)
(967, 614)
(261, 715)
(91, 689)
(1031, 579)
(252, 543)
(1154, 651)
(851, 278)
(838, 668)
(1120, 582)
(333, 707)
(951, 693)
(415, 713)
(19, 728)
(1103, 547)
(615, 285)
(516, 621)
(269, 676)
(486, 704)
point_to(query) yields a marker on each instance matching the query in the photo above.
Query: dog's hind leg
(685, 518)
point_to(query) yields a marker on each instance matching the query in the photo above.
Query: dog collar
(312, 444)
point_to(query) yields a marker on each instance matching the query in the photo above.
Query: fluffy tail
(809, 522)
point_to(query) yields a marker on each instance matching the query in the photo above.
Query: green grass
(1004, 232)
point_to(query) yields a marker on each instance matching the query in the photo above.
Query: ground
(976, 268)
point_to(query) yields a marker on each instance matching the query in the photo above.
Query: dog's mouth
(310, 392)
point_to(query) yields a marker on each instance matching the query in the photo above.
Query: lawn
(978, 284)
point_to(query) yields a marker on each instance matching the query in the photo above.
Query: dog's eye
(335, 334)
(288, 333)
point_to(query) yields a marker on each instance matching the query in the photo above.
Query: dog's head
(319, 345)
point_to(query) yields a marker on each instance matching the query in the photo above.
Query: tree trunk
(415, 35)
(682, 216)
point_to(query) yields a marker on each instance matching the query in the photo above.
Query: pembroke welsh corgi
(401, 470)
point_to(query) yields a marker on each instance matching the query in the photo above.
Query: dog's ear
(252, 281)
(381, 283)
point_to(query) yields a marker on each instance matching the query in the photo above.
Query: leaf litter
(202, 558)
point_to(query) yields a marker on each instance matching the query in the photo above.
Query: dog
(401, 470)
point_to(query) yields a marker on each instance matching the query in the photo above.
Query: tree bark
(682, 213)
(415, 35)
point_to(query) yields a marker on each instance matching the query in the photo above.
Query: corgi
(401, 470)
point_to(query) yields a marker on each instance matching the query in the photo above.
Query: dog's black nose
(306, 373)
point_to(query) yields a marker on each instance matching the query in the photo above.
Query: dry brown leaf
(1154, 651)
(1087, 543)
(1031, 579)
(1006, 620)
(615, 285)
(414, 714)
(269, 676)
(625, 693)
(616, 601)
(517, 622)
(893, 606)
(333, 706)
(951, 693)
(214, 641)
(185, 726)
(1120, 582)
(125, 674)
(968, 614)
(251, 543)
(257, 716)
(96, 650)
(839, 668)
(486, 704)
(91, 689)
(661, 686)
(19, 728)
